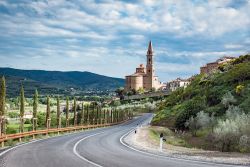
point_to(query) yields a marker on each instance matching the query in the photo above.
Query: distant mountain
(56, 81)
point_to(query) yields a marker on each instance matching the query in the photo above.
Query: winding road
(103, 147)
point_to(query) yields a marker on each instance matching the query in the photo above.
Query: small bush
(10, 142)
(11, 130)
(27, 121)
(229, 131)
(228, 99)
(13, 114)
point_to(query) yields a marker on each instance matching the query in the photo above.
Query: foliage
(13, 114)
(229, 131)
(239, 89)
(27, 121)
(2, 96)
(55, 82)
(120, 92)
(11, 130)
(47, 112)
(58, 112)
(75, 113)
(202, 120)
(22, 105)
(22, 102)
(190, 108)
(41, 119)
(67, 111)
(245, 105)
(140, 90)
(213, 93)
(35, 104)
(224, 98)
(228, 99)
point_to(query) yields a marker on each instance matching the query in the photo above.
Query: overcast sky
(111, 37)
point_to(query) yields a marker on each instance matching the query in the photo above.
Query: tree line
(83, 114)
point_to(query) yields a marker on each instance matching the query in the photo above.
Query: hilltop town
(145, 79)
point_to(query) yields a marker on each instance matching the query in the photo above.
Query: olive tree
(202, 120)
(228, 99)
(233, 130)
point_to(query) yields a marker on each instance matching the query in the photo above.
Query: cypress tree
(2, 106)
(35, 106)
(104, 116)
(67, 111)
(22, 105)
(88, 114)
(111, 115)
(47, 123)
(96, 114)
(82, 114)
(75, 114)
(58, 113)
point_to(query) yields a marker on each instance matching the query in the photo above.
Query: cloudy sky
(110, 37)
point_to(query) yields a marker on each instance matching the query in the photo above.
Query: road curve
(93, 148)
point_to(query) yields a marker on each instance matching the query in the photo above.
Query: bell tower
(150, 66)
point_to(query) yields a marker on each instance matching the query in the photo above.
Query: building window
(148, 70)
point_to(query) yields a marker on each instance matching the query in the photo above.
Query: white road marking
(81, 157)
(9, 149)
(36, 140)
(167, 157)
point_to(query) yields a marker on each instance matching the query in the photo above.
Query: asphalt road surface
(101, 147)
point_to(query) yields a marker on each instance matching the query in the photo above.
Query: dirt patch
(144, 140)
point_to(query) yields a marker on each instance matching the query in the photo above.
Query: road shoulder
(141, 140)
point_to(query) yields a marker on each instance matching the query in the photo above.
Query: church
(144, 77)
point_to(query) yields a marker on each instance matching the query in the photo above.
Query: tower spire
(150, 48)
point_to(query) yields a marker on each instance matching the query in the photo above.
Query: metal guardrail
(52, 130)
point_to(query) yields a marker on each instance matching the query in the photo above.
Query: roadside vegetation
(21, 114)
(214, 109)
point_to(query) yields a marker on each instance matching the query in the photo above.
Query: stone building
(177, 83)
(210, 67)
(144, 77)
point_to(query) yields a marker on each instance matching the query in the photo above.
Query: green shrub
(27, 121)
(10, 142)
(41, 119)
(13, 114)
(229, 131)
(190, 108)
(11, 130)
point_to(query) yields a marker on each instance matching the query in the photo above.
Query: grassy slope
(205, 93)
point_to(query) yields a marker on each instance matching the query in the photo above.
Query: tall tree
(75, 113)
(67, 111)
(47, 123)
(35, 106)
(22, 105)
(2, 106)
(88, 114)
(104, 116)
(97, 114)
(58, 113)
(82, 114)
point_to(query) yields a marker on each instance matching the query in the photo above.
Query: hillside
(211, 104)
(56, 81)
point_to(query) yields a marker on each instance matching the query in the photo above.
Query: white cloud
(91, 36)
(233, 46)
